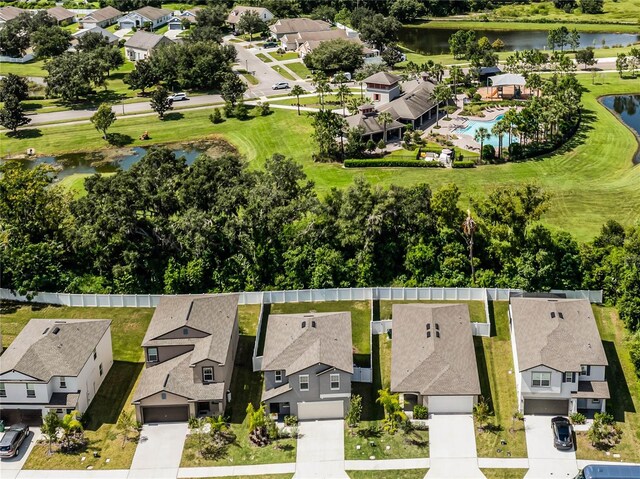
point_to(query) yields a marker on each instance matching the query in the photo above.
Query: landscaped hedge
(391, 163)
(464, 164)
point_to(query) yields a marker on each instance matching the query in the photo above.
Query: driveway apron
(452, 446)
(9, 468)
(544, 459)
(159, 451)
(320, 453)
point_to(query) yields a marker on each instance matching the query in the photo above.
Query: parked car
(281, 85)
(178, 97)
(270, 45)
(12, 439)
(562, 433)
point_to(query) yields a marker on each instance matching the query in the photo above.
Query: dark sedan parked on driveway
(562, 433)
(12, 439)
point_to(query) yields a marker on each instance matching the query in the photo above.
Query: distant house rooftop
(295, 25)
(152, 13)
(103, 14)
(239, 10)
(10, 12)
(142, 40)
(60, 13)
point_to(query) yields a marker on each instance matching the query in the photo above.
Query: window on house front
(100, 369)
(542, 380)
(3, 391)
(278, 376)
(95, 354)
(63, 383)
(185, 331)
(334, 381)
(152, 355)
(568, 377)
(304, 382)
(31, 391)
(585, 370)
(595, 401)
(207, 375)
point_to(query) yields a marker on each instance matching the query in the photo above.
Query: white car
(178, 97)
(281, 85)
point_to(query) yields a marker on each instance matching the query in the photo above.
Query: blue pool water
(472, 126)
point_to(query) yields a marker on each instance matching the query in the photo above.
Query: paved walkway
(320, 452)
(222, 471)
(453, 451)
(159, 451)
(544, 459)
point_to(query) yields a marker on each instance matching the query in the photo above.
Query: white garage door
(450, 404)
(321, 410)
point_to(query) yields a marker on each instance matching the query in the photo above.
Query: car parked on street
(562, 433)
(178, 97)
(281, 85)
(12, 439)
(270, 45)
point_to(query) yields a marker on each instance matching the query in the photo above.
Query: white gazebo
(509, 80)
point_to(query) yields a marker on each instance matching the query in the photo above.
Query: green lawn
(283, 72)
(360, 318)
(529, 24)
(386, 446)
(248, 318)
(33, 68)
(299, 69)
(624, 387)
(381, 359)
(497, 381)
(284, 56)
(265, 58)
(504, 473)
(116, 393)
(398, 474)
(249, 77)
(476, 308)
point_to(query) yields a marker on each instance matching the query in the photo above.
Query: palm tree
(344, 92)
(455, 72)
(441, 93)
(534, 82)
(297, 90)
(510, 118)
(126, 424)
(481, 134)
(499, 129)
(360, 79)
(384, 119)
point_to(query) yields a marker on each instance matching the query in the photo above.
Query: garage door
(30, 417)
(165, 413)
(450, 404)
(551, 407)
(175, 26)
(321, 410)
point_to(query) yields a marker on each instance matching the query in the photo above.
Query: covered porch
(590, 398)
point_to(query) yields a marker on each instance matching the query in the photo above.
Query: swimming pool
(472, 126)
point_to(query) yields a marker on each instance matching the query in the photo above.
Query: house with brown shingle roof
(9, 12)
(433, 360)
(190, 348)
(236, 14)
(308, 365)
(141, 44)
(54, 365)
(156, 17)
(101, 18)
(560, 363)
(292, 26)
(62, 15)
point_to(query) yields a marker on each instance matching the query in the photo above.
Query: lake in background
(435, 41)
(628, 109)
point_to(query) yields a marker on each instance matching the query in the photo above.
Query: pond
(627, 107)
(435, 41)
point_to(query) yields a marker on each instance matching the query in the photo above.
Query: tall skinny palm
(481, 134)
(440, 94)
(499, 129)
(297, 90)
(344, 92)
(384, 119)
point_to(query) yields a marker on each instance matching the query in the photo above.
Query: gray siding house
(156, 17)
(308, 364)
(558, 356)
(190, 348)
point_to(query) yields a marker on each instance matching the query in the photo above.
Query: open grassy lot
(115, 395)
(476, 308)
(504, 473)
(33, 68)
(624, 387)
(360, 318)
(299, 69)
(386, 446)
(497, 381)
(283, 72)
(399, 474)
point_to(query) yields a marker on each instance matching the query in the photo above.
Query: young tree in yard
(49, 428)
(297, 90)
(233, 88)
(13, 86)
(142, 77)
(440, 94)
(355, 412)
(250, 22)
(127, 425)
(50, 41)
(586, 57)
(393, 413)
(12, 116)
(216, 116)
(481, 413)
(392, 55)
(110, 57)
(160, 102)
(103, 118)
(480, 136)
(370, 145)
(622, 64)
(256, 422)
(91, 41)
(384, 119)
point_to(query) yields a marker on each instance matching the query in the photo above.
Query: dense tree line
(39, 31)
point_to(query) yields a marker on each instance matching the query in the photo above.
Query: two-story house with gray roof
(559, 360)
(53, 365)
(308, 365)
(190, 348)
(433, 360)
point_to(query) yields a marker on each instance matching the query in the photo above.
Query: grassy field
(283, 72)
(283, 56)
(299, 69)
(504, 473)
(624, 387)
(497, 381)
(115, 395)
(476, 308)
(399, 474)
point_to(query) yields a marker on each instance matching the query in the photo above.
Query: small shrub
(291, 420)
(228, 110)
(488, 153)
(264, 109)
(420, 412)
(464, 164)
(216, 116)
(578, 418)
(382, 145)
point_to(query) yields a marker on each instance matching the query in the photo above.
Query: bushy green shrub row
(391, 163)
(464, 164)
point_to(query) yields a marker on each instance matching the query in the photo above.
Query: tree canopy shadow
(483, 371)
(173, 116)
(119, 139)
(25, 133)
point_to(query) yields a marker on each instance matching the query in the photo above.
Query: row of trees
(479, 52)
(39, 31)
(628, 62)
(13, 90)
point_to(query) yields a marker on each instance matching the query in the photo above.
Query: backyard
(476, 308)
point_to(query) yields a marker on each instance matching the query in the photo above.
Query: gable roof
(433, 366)
(106, 13)
(214, 315)
(294, 25)
(239, 10)
(60, 13)
(295, 342)
(10, 12)
(412, 105)
(48, 347)
(559, 333)
(508, 79)
(111, 38)
(369, 122)
(152, 13)
(145, 41)
(382, 78)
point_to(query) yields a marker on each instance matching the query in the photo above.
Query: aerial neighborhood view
(365, 239)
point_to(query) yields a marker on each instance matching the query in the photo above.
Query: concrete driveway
(544, 459)
(159, 451)
(10, 468)
(452, 446)
(320, 451)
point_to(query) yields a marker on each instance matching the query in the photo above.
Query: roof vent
(553, 314)
(437, 334)
(428, 326)
(437, 327)
(304, 324)
(56, 330)
(428, 334)
(560, 315)
(46, 331)
(313, 324)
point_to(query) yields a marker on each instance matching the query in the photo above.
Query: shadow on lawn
(118, 139)
(483, 372)
(621, 400)
(246, 386)
(25, 134)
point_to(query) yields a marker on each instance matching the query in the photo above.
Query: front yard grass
(249, 77)
(497, 382)
(284, 56)
(386, 446)
(264, 58)
(398, 474)
(624, 388)
(504, 473)
(283, 72)
(299, 69)
(476, 308)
